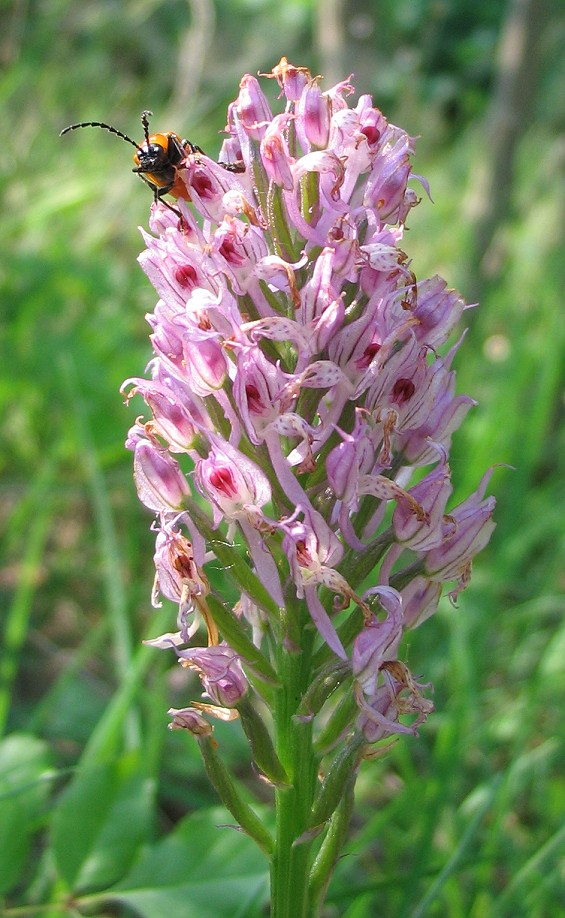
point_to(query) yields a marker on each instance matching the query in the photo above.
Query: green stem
(330, 850)
(291, 864)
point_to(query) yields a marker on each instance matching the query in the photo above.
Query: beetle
(156, 159)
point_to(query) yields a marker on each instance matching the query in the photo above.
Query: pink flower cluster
(296, 387)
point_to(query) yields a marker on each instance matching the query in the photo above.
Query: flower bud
(314, 108)
(161, 486)
(275, 155)
(252, 108)
(291, 79)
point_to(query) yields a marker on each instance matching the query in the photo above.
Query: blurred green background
(468, 820)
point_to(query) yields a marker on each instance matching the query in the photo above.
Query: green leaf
(101, 821)
(24, 786)
(229, 793)
(204, 869)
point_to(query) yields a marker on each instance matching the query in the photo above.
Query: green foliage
(24, 790)
(468, 819)
(203, 869)
(100, 823)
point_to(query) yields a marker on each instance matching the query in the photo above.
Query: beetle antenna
(145, 116)
(104, 126)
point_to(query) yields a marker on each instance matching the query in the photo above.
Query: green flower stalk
(296, 388)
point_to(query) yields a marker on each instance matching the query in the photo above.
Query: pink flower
(466, 530)
(220, 672)
(296, 367)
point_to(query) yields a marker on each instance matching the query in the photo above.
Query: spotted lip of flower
(235, 485)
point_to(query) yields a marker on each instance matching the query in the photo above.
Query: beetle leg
(158, 197)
